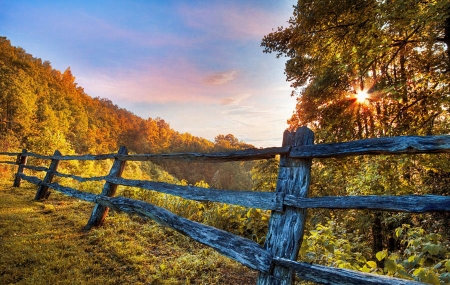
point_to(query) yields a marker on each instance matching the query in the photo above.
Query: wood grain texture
(336, 276)
(80, 178)
(100, 211)
(85, 196)
(286, 228)
(407, 203)
(240, 249)
(43, 192)
(253, 199)
(385, 145)
(277, 264)
(74, 157)
(238, 155)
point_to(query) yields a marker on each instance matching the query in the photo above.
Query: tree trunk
(377, 234)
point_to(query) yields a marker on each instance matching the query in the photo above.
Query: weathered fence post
(43, 192)
(99, 212)
(286, 228)
(21, 161)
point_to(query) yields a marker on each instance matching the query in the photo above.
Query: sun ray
(362, 96)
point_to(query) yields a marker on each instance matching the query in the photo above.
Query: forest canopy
(363, 69)
(396, 51)
(43, 109)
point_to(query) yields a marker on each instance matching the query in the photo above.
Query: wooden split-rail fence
(277, 260)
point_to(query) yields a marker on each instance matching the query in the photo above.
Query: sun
(362, 96)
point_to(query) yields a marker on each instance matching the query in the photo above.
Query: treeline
(43, 109)
(398, 54)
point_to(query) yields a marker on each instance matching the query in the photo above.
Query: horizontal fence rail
(10, 153)
(376, 146)
(280, 202)
(330, 275)
(403, 203)
(243, 250)
(274, 200)
(307, 271)
(8, 162)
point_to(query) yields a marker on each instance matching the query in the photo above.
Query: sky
(196, 64)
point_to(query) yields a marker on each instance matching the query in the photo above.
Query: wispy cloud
(197, 64)
(169, 81)
(234, 100)
(220, 78)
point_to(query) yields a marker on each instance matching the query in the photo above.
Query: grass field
(43, 243)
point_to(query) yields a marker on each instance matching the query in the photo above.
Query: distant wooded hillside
(43, 109)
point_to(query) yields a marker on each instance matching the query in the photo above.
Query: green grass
(43, 243)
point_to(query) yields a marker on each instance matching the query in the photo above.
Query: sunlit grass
(43, 243)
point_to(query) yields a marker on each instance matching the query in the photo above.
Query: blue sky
(196, 64)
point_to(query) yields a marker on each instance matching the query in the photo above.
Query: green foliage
(332, 244)
(399, 53)
(265, 174)
(249, 223)
(425, 257)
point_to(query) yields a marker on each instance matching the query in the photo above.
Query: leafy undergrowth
(43, 243)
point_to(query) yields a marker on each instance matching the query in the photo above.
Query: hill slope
(43, 110)
(43, 243)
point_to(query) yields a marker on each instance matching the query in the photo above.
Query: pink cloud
(219, 78)
(174, 80)
(234, 100)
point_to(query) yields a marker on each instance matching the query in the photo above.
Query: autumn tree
(398, 53)
(396, 50)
